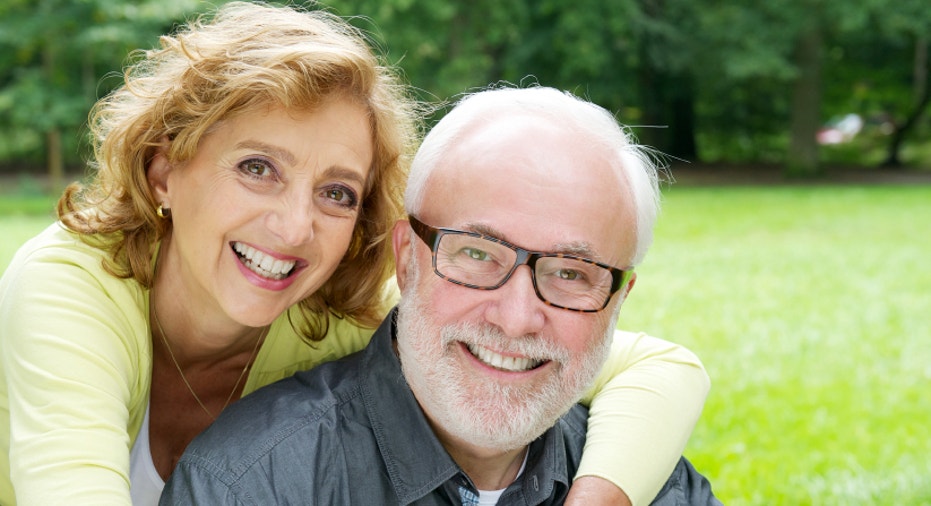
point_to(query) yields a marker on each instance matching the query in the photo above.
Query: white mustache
(537, 349)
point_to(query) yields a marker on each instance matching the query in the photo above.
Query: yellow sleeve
(74, 365)
(643, 407)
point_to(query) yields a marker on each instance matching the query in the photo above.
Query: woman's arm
(643, 407)
(69, 373)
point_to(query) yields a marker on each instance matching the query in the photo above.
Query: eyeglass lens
(482, 263)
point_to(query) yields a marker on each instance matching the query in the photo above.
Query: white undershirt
(145, 484)
(490, 497)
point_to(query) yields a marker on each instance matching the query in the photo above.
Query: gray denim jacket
(351, 432)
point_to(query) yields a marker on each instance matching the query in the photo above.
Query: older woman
(248, 174)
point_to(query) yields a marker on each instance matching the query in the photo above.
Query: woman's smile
(263, 264)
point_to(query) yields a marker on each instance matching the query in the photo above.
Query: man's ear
(401, 242)
(157, 173)
(625, 290)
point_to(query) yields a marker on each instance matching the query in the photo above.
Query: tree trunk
(681, 114)
(53, 155)
(651, 86)
(55, 163)
(806, 106)
(922, 94)
(652, 120)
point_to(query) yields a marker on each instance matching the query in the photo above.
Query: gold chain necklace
(184, 378)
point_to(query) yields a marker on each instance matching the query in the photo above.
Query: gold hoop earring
(162, 212)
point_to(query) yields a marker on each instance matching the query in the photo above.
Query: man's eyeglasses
(482, 262)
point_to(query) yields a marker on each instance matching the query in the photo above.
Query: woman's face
(264, 211)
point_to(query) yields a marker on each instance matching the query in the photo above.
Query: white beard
(477, 409)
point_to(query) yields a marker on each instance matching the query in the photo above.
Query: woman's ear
(401, 242)
(157, 173)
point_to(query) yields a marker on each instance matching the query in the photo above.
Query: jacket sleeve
(70, 360)
(686, 487)
(643, 407)
(194, 483)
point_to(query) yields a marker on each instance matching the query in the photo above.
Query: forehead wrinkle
(275, 151)
(340, 172)
(574, 248)
(279, 153)
(577, 248)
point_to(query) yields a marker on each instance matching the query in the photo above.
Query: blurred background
(800, 86)
(792, 253)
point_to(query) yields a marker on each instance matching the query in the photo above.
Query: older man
(528, 210)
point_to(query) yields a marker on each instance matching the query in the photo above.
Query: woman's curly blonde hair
(244, 58)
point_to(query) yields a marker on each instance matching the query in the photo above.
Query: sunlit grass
(24, 212)
(811, 309)
(17, 229)
(25, 205)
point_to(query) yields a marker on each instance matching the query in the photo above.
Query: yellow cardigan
(76, 366)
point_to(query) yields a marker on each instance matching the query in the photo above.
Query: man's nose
(517, 310)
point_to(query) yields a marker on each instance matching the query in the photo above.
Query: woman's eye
(259, 169)
(336, 194)
(341, 196)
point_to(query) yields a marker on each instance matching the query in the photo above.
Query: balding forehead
(528, 132)
(507, 171)
(627, 177)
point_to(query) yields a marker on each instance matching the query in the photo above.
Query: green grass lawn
(22, 215)
(17, 229)
(811, 309)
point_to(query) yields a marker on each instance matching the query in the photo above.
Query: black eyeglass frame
(431, 237)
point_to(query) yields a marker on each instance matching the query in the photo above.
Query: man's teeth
(262, 264)
(512, 364)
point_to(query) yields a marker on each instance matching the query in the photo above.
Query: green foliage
(708, 81)
(55, 55)
(806, 305)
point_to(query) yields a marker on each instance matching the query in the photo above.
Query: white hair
(562, 108)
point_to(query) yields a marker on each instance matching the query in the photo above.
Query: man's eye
(568, 275)
(476, 254)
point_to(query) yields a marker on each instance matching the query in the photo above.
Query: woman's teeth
(511, 364)
(262, 264)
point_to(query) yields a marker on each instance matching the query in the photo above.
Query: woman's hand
(595, 491)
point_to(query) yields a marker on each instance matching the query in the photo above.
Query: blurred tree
(762, 70)
(904, 27)
(805, 116)
(921, 97)
(445, 48)
(54, 54)
(666, 37)
(448, 48)
(701, 81)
